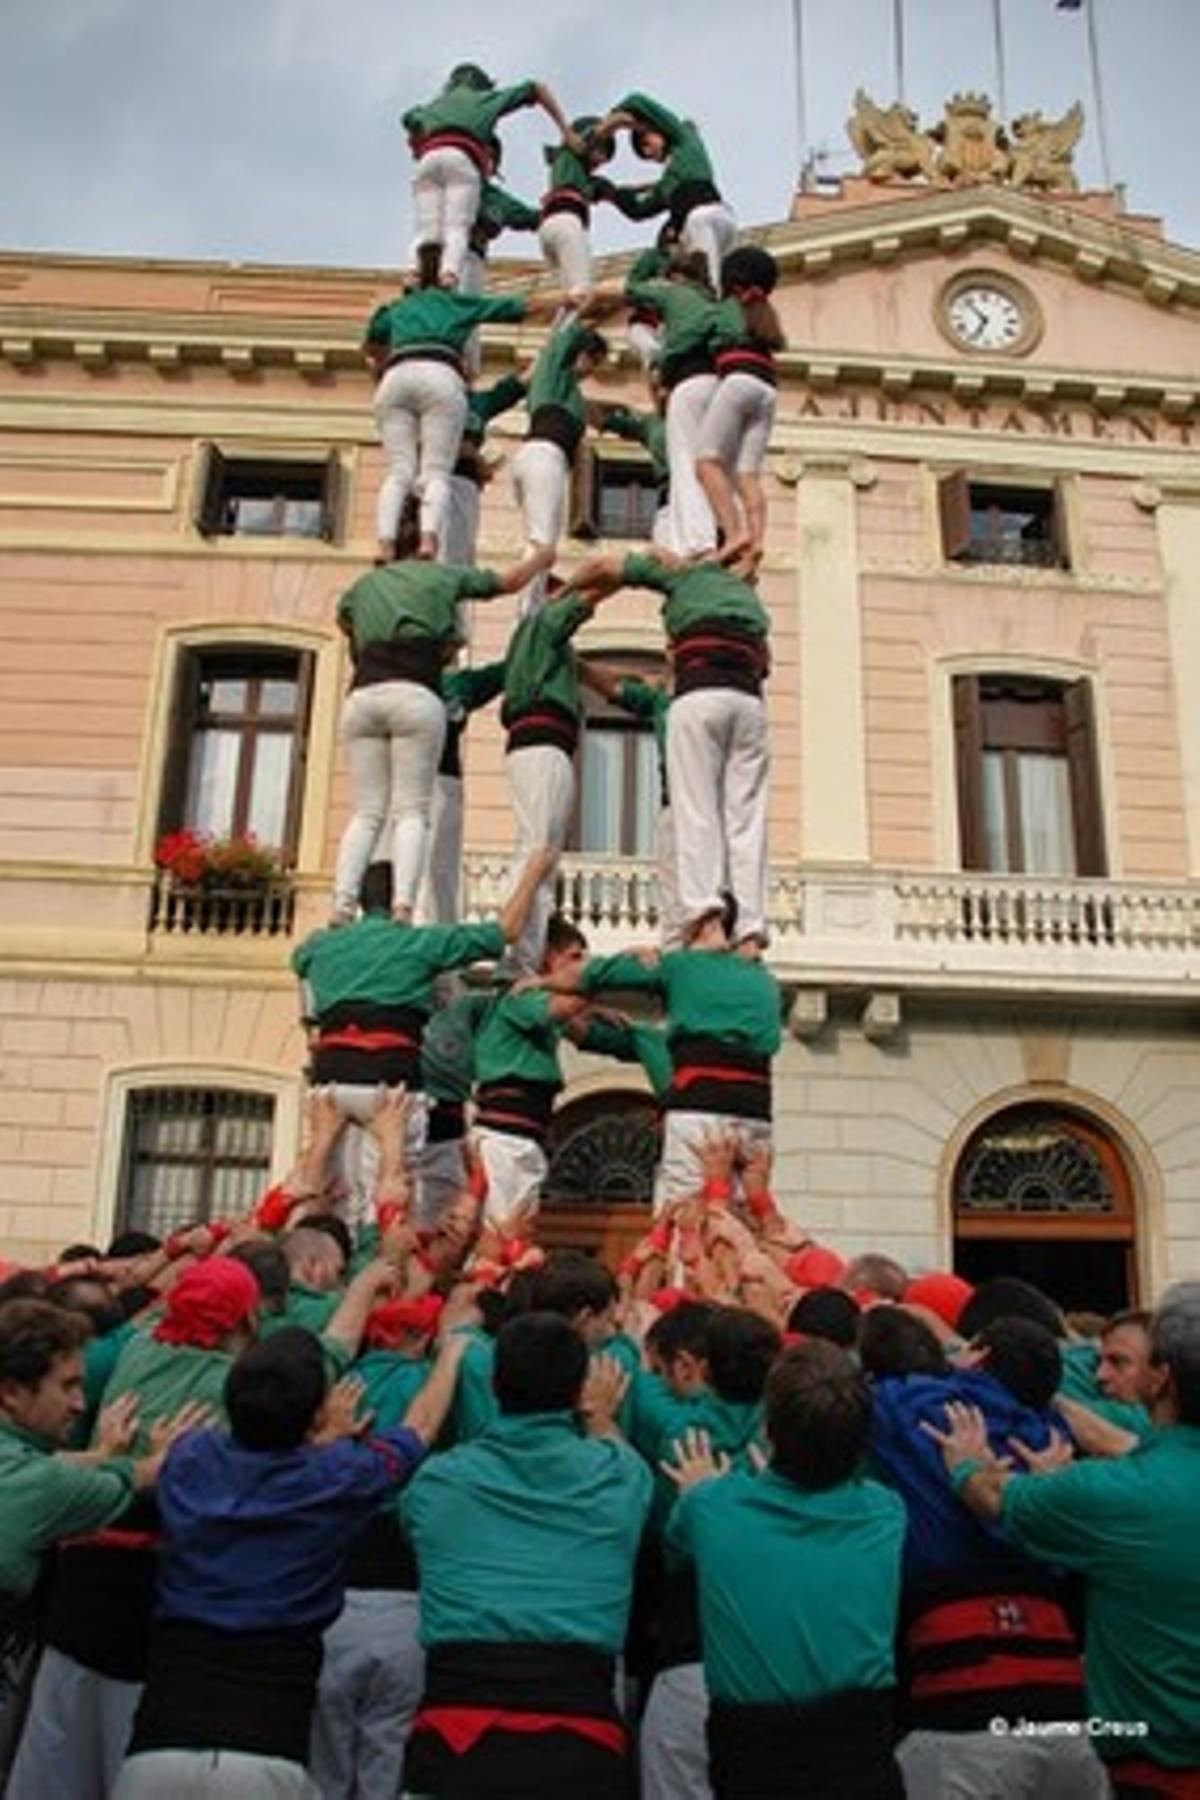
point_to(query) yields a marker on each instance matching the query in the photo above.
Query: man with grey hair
(1129, 1527)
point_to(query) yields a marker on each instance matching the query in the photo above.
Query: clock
(985, 312)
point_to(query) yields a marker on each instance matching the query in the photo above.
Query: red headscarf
(389, 1323)
(815, 1266)
(943, 1293)
(210, 1299)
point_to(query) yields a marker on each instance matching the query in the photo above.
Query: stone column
(1178, 507)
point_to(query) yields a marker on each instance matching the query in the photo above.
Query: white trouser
(76, 1732)
(541, 478)
(441, 1178)
(473, 280)
(717, 763)
(355, 1160)
(372, 1675)
(693, 528)
(710, 229)
(420, 409)
(460, 530)
(681, 1169)
(978, 1765)
(645, 340)
(660, 531)
(568, 251)
(211, 1775)
(669, 919)
(438, 904)
(446, 186)
(543, 789)
(515, 1168)
(672, 1742)
(737, 425)
(393, 732)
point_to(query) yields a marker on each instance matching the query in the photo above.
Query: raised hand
(694, 1460)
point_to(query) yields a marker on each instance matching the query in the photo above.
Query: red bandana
(210, 1299)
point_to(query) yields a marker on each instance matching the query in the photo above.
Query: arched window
(603, 1154)
(1044, 1191)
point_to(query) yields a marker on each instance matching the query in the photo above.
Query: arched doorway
(1044, 1192)
(603, 1153)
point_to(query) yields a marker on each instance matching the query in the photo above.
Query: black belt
(438, 353)
(839, 1748)
(687, 195)
(677, 369)
(554, 424)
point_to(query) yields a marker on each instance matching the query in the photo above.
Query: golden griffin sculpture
(968, 147)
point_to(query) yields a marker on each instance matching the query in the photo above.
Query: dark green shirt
(651, 703)
(501, 211)
(486, 404)
(706, 993)
(633, 1041)
(519, 1037)
(467, 111)
(376, 959)
(553, 381)
(412, 600)
(46, 1499)
(528, 1535)
(799, 1591)
(439, 318)
(697, 594)
(540, 663)
(166, 1377)
(660, 1418)
(466, 690)
(687, 159)
(568, 170)
(1129, 1528)
(448, 1047)
(648, 429)
(690, 316)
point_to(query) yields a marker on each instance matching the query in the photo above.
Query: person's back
(526, 1541)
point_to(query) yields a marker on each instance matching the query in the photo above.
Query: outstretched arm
(538, 866)
(550, 105)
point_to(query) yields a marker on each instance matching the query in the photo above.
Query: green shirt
(633, 1040)
(384, 963)
(687, 159)
(690, 316)
(553, 381)
(475, 1406)
(540, 664)
(501, 211)
(412, 599)
(439, 318)
(645, 700)
(646, 428)
(699, 594)
(166, 1377)
(99, 1360)
(1079, 1362)
(528, 1535)
(707, 993)
(448, 1047)
(391, 1383)
(486, 404)
(46, 1499)
(661, 1417)
(1129, 1527)
(799, 1591)
(467, 111)
(466, 690)
(519, 1038)
(568, 170)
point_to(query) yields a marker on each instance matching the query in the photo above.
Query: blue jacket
(255, 1540)
(944, 1539)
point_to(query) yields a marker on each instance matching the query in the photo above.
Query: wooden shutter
(1086, 808)
(954, 509)
(583, 499)
(332, 495)
(210, 492)
(177, 753)
(306, 663)
(968, 763)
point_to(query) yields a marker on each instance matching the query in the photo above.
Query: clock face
(985, 318)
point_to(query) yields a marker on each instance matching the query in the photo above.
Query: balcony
(970, 933)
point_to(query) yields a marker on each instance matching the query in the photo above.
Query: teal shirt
(699, 594)
(1128, 1526)
(46, 1499)
(660, 1418)
(412, 599)
(475, 1405)
(540, 663)
(99, 1360)
(391, 1383)
(166, 1377)
(467, 111)
(519, 1037)
(384, 963)
(1079, 1362)
(690, 316)
(528, 1535)
(439, 318)
(553, 381)
(448, 1048)
(707, 993)
(798, 1591)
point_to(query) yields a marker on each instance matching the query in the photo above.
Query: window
(236, 754)
(619, 796)
(1028, 794)
(253, 497)
(985, 522)
(192, 1154)
(615, 497)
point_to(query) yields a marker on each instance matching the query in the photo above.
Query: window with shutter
(242, 496)
(992, 522)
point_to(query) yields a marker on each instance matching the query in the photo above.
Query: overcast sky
(267, 130)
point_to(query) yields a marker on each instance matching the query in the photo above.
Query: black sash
(839, 1748)
(249, 1691)
(687, 195)
(400, 659)
(555, 425)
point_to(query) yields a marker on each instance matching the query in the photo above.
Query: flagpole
(1001, 78)
(898, 41)
(1098, 91)
(801, 103)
